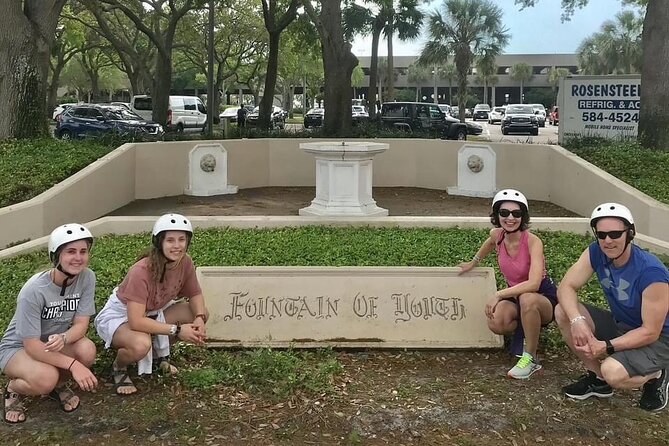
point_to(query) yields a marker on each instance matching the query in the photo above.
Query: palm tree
(382, 16)
(403, 17)
(554, 76)
(464, 29)
(418, 75)
(448, 72)
(616, 48)
(521, 72)
(486, 69)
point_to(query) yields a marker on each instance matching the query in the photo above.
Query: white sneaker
(524, 368)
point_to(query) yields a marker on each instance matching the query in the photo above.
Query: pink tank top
(515, 269)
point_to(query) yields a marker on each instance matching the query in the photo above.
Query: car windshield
(123, 114)
(358, 108)
(520, 109)
(538, 107)
(499, 110)
(316, 111)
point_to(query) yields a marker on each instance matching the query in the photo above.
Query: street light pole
(434, 79)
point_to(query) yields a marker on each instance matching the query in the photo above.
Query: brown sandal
(14, 406)
(121, 379)
(64, 395)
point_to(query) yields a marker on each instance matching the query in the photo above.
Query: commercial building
(503, 90)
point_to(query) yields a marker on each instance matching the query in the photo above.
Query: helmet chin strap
(67, 277)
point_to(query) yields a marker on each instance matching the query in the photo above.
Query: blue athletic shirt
(623, 286)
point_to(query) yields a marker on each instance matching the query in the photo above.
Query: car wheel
(180, 129)
(461, 135)
(504, 131)
(65, 134)
(535, 132)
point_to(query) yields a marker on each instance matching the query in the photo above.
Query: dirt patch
(381, 398)
(289, 200)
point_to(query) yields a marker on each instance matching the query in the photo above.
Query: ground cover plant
(643, 169)
(264, 396)
(30, 167)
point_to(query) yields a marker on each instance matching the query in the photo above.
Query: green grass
(275, 374)
(646, 170)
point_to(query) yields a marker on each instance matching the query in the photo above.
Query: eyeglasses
(517, 213)
(613, 235)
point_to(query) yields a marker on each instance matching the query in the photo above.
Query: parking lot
(493, 133)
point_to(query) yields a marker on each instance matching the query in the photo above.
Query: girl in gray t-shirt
(45, 343)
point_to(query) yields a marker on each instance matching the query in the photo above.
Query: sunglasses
(613, 235)
(517, 213)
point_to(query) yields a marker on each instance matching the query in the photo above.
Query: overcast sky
(533, 31)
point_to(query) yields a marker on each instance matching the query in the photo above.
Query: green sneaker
(524, 368)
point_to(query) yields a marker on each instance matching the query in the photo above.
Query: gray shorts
(640, 361)
(6, 353)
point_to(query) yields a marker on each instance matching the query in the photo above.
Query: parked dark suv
(277, 118)
(412, 116)
(90, 120)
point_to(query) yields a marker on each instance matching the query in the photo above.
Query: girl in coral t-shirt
(143, 313)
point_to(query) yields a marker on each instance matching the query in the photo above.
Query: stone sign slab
(384, 307)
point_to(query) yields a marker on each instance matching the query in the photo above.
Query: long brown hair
(157, 262)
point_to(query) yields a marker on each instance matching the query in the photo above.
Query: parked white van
(183, 112)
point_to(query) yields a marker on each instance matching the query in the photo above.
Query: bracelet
(580, 317)
(476, 258)
(72, 363)
(202, 315)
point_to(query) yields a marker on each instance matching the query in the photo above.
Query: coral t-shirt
(138, 285)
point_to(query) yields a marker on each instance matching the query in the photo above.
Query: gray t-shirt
(41, 310)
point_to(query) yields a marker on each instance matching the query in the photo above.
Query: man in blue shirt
(628, 346)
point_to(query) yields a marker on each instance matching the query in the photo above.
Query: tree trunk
(27, 30)
(291, 101)
(338, 65)
(270, 81)
(53, 89)
(162, 82)
(373, 71)
(654, 117)
(95, 85)
(390, 75)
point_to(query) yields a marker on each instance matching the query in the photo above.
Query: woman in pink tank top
(528, 301)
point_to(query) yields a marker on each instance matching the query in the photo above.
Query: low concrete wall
(152, 170)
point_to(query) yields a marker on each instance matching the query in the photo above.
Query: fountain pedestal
(344, 179)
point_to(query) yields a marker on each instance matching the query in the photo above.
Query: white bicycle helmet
(171, 222)
(615, 210)
(62, 235)
(510, 195)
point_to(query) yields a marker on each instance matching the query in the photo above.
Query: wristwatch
(609, 347)
(174, 329)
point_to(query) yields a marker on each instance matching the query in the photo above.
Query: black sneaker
(654, 396)
(588, 385)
